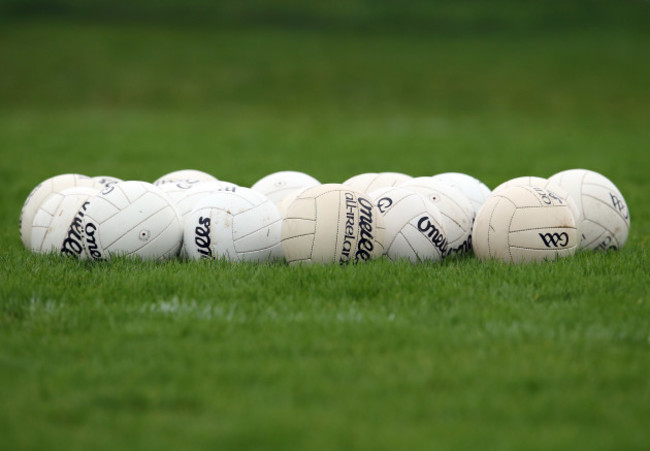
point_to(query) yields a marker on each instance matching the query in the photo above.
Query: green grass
(209, 355)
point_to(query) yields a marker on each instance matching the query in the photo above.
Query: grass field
(208, 355)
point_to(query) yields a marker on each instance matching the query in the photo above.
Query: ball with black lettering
(279, 185)
(547, 184)
(133, 219)
(240, 225)
(413, 226)
(40, 193)
(188, 175)
(332, 223)
(475, 190)
(522, 224)
(57, 223)
(372, 181)
(604, 215)
(187, 193)
(456, 209)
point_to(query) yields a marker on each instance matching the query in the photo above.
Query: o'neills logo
(438, 239)
(364, 241)
(91, 241)
(202, 237)
(73, 243)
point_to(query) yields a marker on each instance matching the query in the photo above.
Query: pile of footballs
(290, 215)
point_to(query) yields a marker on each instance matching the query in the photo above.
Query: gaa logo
(554, 239)
(619, 205)
(384, 204)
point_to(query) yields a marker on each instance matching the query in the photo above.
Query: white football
(604, 215)
(526, 180)
(40, 193)
(57, 223)
(332, 223)
(524, 224)
(279, 185)
(414, 229)
(189, 175)
(132, 218)
(456, 209)
(475, 190)
(372, 181)
(240, 225)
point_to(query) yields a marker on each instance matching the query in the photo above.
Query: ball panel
(302, 208)
(165, 245)
(475, 190)
(371, 181)
(524, 196)
(279, 185)
(526, 255)
(298, 247)
(571, 180)
(610, 198)
(266, 238)
(400, 249)
(279, 194)
(271, 253)
(294, 227)
(406, 207)
(101, 209)
(558, 191)
(526, 180)
(421, 245)
(596, 178)
(43, 218)
(330, 208)
(498, 245)
(143, 235)
(600, 238)
(115, 197)
(132, 190)
(254, 219)
(528, 218)
(42, 221)
(481, 227)
(117, 223)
